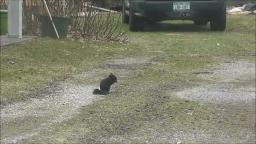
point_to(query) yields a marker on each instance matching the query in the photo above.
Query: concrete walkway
(5, 40)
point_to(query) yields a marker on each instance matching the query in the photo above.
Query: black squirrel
(105, 85)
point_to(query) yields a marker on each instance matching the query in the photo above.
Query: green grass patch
(27, 67)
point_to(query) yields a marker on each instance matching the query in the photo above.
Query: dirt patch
(128, 63)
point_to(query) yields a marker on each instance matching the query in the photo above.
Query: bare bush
(90, 22)
(31, 10)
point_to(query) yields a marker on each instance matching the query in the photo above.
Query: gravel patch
(18, 138)
(230, 72)
(68, 98)
(54, 108)
(220, 93)
(230, 83)
(175, 135)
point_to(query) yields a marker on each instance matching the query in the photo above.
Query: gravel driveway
(231, 84)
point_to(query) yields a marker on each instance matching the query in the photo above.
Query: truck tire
(125, 17)
(134, 21)
(218, 21)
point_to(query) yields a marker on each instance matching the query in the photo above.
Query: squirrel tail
(98, 91)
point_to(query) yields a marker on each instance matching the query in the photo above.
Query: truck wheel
(218, 21)
(125, 17)
(134, 21)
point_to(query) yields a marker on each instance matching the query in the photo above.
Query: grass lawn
(140, 101)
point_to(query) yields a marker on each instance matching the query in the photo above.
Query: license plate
(181, 6)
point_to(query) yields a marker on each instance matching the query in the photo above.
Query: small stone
(12, 62)
(179, 142)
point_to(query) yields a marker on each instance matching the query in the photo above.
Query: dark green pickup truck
(136, 12)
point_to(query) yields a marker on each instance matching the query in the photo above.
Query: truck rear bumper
(163, 10)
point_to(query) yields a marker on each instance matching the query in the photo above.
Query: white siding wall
(15, 18)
